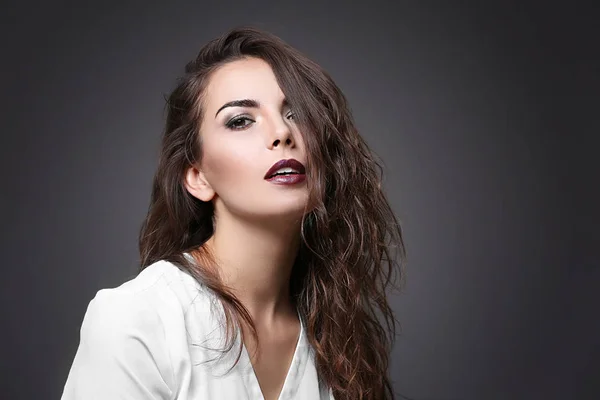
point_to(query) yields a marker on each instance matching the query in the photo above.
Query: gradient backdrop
(483, 113)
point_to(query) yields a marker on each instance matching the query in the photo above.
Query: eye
(239, 123)
(290, 115)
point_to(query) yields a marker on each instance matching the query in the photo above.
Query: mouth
(285, 168)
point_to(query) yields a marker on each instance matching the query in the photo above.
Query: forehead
(249, 78)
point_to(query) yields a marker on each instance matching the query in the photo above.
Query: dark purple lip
(291, 163)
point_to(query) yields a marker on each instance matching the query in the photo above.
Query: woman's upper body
(265, 181)
(154, 337)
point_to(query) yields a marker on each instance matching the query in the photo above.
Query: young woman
(266, 251)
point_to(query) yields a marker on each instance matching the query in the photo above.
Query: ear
(196, 184)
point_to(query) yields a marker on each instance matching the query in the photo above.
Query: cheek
(229, 166)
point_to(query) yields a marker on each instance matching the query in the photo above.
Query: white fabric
(154, 337)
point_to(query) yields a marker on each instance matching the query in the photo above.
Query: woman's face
(241, 141)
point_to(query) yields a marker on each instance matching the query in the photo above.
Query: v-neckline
(296, 368)
(293, 375)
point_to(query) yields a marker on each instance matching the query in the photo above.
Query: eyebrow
(245, 103)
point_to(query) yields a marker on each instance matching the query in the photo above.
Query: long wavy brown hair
(351, 249)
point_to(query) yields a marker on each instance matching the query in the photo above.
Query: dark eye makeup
(240, 122)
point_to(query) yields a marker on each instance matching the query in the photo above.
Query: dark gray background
(484, 114)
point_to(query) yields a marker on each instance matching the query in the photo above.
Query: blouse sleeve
(122, 352)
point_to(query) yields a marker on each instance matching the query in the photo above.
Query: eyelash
(231, 123)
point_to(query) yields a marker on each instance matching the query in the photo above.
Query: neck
(255, 261)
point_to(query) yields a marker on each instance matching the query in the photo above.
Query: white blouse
(157, 337)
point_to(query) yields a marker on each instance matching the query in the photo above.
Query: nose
(281, 133)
